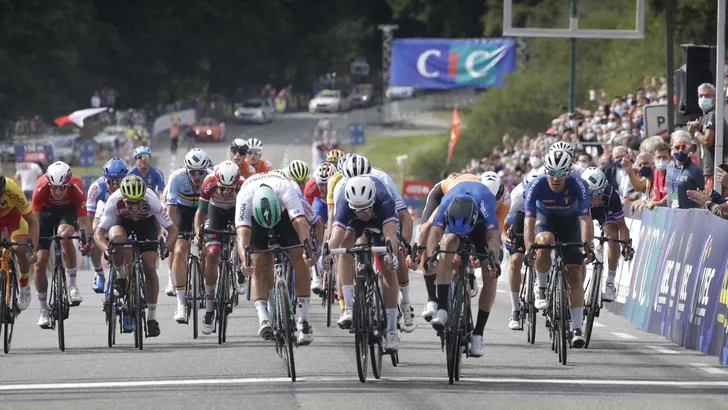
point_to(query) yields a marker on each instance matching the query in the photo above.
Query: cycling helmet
(227, 173)
(356, 166)
(595, 179)
(115, 168)
(133, 188)
(324, 172)
(255, 144)
(3, 183)
(360, 192)
(196, 159)
(266, 208)
(59, 173)
(298, 171)
(494, 184)
(563, 146)
(209, 164)
(142, 151)
(461, 215)
(239, 146)
(334, 155)
(533, 174)
(342, 160)
(558, 161)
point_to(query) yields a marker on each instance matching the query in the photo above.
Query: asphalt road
(623, 368)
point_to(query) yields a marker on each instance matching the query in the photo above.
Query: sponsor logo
(585, 210)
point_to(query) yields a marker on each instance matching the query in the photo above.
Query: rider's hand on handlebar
(310, 262)
(392, 263)
(627, 253)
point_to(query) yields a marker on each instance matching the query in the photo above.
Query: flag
(77, 117)
(454, 133)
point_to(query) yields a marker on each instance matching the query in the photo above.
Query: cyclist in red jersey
(59, 200)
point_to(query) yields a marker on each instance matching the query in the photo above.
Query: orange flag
(454, 132)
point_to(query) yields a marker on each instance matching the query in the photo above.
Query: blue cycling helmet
(115, 168)
(142, 150)
(342, 160)
(461, 215)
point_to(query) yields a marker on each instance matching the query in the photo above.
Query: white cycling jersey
(151, 207)
(288, 193)
(518, 201)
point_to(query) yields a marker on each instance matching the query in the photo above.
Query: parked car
(400, 92)
(330, 101)
(362, 96)
(209, 129)
(255, 110)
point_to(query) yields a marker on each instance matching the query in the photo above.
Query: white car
(331, 101)
(256, 110)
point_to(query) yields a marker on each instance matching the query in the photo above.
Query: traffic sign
(655, 116)
(357, 133)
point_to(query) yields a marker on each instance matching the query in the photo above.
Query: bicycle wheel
(138, 306)
(4, 308)
(110, 307)
(222, 294)
(379, 319)
(195, 287)
(453, 333)
(330, 286)
(563, 306)
(530, 306)
(591, 307)
(287, 320)
(361, 329)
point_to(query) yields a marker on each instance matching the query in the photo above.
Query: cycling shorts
(478, 238)
(15, 224)
(565, 229)
(260, 236)
(217, 219)
(185, 218)
(600, 215)
(517, 243)
(50, 219)
(145, 230)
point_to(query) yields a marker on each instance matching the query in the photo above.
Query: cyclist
(238, 152)
(333, 156)
(559, 202)
(260, 165)
(133, 208)
(114, 170)
(366, 202)
(182, 202)
(607, 210)
(314, 192)
(298, 172)
(512, 237)
(153, 177)
(259, 209)
(466, 211)
(502, 197)
(215, 210)
(564, 146)
(59, 201)
(16, 215)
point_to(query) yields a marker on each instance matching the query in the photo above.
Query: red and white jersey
(312, 190)
(210, 194)
(75, 196)
(288, 193)
(151, 207)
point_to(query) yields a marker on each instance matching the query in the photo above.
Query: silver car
(256, 110)
(330, 101)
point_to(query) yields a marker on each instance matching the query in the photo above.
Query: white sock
(151, 311)
(611, 275)
(262, 307)
(43, 299)
(405, 294)
(169, 274)
(392, 319)
(71, 277)
(303, 304)
(515, 300)
(348, 291)
(210, 295)
(543, 279)
(576, 315)
(181, 297)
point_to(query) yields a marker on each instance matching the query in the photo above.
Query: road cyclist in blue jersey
(153, 177)
(466, 211)
(557, 208)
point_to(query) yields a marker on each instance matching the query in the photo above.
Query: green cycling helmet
(266, 209)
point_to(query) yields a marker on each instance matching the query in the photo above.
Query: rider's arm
(623, 230)
(159, 182)
(586, 224)
(405, 220)
(529, 231)
(491, 224)
(437, 230)
(389, 231)
(584, 209)
(33, 227)
(506, 226)
(79, 197)
(529, 222)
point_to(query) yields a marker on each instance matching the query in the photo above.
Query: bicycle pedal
(74, 304)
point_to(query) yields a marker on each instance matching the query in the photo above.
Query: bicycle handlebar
(81, 237)
(135, 243)
(276, 249)
(603, 239)
(205, 231)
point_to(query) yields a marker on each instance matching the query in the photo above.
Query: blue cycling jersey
(154, 178)
(384, 209)
(484, 200)
(320, 208)
(572, 200)
(98, 191)
(181, 192)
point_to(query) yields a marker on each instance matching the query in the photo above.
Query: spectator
(95, 100)
(661, 157)
(27, 174)
(682, 175)
(704, 132)
(640, 176)
(616, 176)
(585, 160)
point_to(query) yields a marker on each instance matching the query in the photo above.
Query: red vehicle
(208, 129)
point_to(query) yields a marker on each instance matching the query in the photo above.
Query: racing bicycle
(225, 294)
(195, 285)
(9, 289)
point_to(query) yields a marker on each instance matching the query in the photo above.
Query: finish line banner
(451, 63)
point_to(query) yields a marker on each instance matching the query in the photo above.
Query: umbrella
(77, 117)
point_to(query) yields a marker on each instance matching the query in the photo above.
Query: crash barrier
(677, 284)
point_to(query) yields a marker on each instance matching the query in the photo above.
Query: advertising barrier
(677, 284)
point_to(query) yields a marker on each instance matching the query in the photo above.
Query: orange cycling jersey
(450, 182)
(259, 168)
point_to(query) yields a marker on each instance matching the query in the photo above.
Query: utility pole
(572, 60)
(387, 38)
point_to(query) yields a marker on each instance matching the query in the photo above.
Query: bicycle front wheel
(361, 329)
(452, 339)
(197, 297)
(222, 301)
(60, 304)
(530, 306)
(563, 324)
(286, 313)
(379, 326)
(330, 286)
(591, 307)
(138, 306)
(110, 307)
(5, 312)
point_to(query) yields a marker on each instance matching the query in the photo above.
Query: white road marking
(624, 335)
(502, 291)
(285, 162)
(597, 324)
(708, 368)
(662, 350)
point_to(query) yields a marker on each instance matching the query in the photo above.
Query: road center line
(624, 335)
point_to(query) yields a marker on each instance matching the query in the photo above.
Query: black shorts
(185, 218)
(145, 230)
(479, 239)
(565, 229)
(603, 216)
(218, 219)
(28, 195)
(259, 236)
(433, 201)
(375, 224)
(517, 243)
(50, 219)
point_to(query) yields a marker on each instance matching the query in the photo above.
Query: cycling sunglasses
(361, 210)
(133, 203)
(598, 192)
(113, 181)
(255, 152)
(226, 189)
(197, 172)
(143, 156)
(557, 174)
(59, 187)
(239, 151)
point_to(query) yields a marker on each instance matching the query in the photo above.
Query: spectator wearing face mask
(535, 159)
(640, 175)
(682, 175)
(584, 160)
(616, 176)
(703, 130)
(661, 156)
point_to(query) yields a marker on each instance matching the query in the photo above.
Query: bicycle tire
(111, 309)
(563, 330)
(195, 286)
(14, 310)
(221, 304)
(530, 306)
(591, 308)
(4, 308)
(453, 333)
(361, 329)
(379, 317)
(138, 306)
(286, 314)
(58, 278)
(465, 328)
(329, 296)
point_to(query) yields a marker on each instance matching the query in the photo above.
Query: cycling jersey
(259, 168)
(383, 209)
(319, 207)
(14, 199)
(518, 202)
(450, 182)
(287, 192)
(97, 195)
(312, 190)
(609, 208)
(246, 169)
(116, 211)
(74, 196)
(484, 200)
(388, 182)
(572, 200)
(330, 187)
(210, 195)
(181, 192)
(154, 178)
(439, 190)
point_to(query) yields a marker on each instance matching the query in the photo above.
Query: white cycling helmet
(59, 174)
(196, 159)
(227, 173)
(533, 174)
(355, 166)
(595, 179)
(324, 172)
(563, 146)
(493, 182)
(255, 144)
(360, 192)
(558, 161)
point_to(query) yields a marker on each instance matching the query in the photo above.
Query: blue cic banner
(451, 63)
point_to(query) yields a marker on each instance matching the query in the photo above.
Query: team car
(208, 129)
